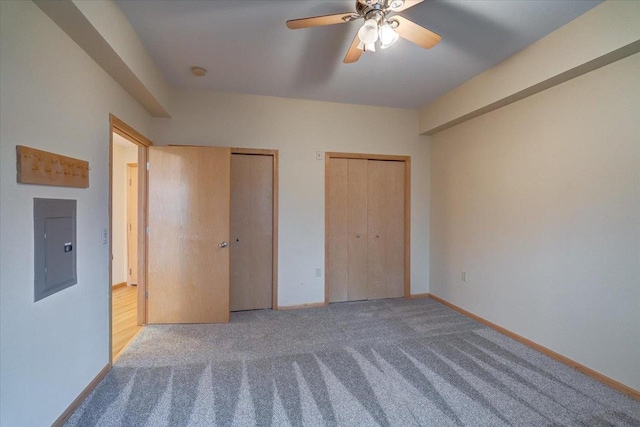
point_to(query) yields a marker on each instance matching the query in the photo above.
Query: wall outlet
(105, 236)
(318, 272)
(463, 276)
(318, 155)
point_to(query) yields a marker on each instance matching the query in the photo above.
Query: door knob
(223, 244)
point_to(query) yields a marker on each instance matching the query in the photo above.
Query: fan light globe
(396, 4)
(387, 36)
(368, 35)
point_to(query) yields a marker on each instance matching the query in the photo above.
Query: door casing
(129, 133)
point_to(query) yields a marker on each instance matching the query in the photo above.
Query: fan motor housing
(365, 6)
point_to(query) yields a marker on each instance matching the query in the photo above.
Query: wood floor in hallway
(124, 318)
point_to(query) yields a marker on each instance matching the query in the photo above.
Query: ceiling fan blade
(413, 32)
(318, 21)
(353, 54)
(407, 4)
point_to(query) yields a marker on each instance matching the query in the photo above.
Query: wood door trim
(254, 151)
(335, 155)
(123, 129)
(276, 161)
(407, 211)
(407, 227)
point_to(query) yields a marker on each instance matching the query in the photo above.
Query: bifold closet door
(251, 281)
(385, 215)
(347, 245)
(357, 226)
(347, 273)
(338, 243)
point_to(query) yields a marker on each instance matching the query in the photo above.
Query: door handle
(223, 244)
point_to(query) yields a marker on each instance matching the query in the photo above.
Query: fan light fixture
(371, 32)
(368, 35)
(378, 26)
(387, 35)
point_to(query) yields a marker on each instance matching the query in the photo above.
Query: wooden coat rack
(45, 168)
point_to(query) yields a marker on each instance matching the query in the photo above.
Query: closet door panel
(357, 229)
(240, 277)
(338, 224)
(376, 214)
(394, 233)
(261, 222)
(251, 231)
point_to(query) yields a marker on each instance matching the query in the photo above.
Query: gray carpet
(388, 363)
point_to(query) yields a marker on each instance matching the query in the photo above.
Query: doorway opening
(127, 215)
(124, 253)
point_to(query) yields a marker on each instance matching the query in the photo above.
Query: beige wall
(102, 30)
(121, 156)
(299, 128)
(604, 34)
(56, 98)
(539, 202)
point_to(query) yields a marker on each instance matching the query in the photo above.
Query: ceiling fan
(377, 26)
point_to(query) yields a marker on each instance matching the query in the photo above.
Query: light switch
(318, 155)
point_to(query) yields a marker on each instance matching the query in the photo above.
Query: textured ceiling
(247, 48)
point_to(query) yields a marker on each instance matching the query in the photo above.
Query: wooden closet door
(251, 232)
(239, 246)
(357, 229)
(338, 233)
(189, 191)
(347, 198)
(385, 249)
(394, 244)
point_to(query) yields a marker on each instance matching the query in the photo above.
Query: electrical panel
(54, 246)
